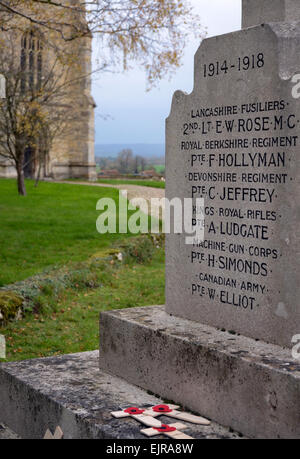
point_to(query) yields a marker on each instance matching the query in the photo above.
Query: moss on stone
(10, 305)
(105, 253)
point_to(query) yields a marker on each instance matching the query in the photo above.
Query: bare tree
(143, 163)
(136, 165)
(140, 163)
(125, 161)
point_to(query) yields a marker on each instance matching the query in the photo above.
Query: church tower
(72, 151)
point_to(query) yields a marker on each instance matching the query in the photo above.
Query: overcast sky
(137, 116)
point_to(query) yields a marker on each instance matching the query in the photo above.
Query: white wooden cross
(58, 434)
(171, 410)
(2, 87)
(171, 431)
(138, 415)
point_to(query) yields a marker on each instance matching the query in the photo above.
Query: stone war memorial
(222, 344)
(225, 344)
(234, 142)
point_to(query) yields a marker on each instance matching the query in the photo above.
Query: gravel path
(138, 193)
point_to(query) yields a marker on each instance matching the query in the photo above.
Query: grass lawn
(148, 183)
(74, 327)
(54, 224)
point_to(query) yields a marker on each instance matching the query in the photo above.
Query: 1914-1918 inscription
(235, 143)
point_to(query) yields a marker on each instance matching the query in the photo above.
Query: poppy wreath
(162, 409)
(164, 428)
(133, 410)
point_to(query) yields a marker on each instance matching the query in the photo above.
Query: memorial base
(250, 386)
(70, 392)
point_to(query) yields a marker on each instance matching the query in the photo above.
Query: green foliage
(158, 240)
(160, 168)
(42, 292)
(139, 250)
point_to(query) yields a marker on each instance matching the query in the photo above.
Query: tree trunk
(38, 174)
(20, 178)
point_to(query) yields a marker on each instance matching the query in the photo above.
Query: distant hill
(147, 150)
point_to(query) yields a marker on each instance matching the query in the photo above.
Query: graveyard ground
(148, 183)
(65, 320)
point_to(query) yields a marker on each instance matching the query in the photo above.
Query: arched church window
(31, 61)
(23, 65)
(31, 70)
(39, 69)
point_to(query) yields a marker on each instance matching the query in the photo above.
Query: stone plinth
(70, 392)
(248, 385)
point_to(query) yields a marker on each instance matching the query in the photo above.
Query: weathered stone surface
(71, 392)
(234, 142)
(257, 12)
(250, 386)
(7, 434)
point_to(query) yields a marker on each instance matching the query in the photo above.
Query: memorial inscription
(235, 143)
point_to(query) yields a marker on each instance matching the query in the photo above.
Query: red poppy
(164, 428)
(134, 410)
(162, 409)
